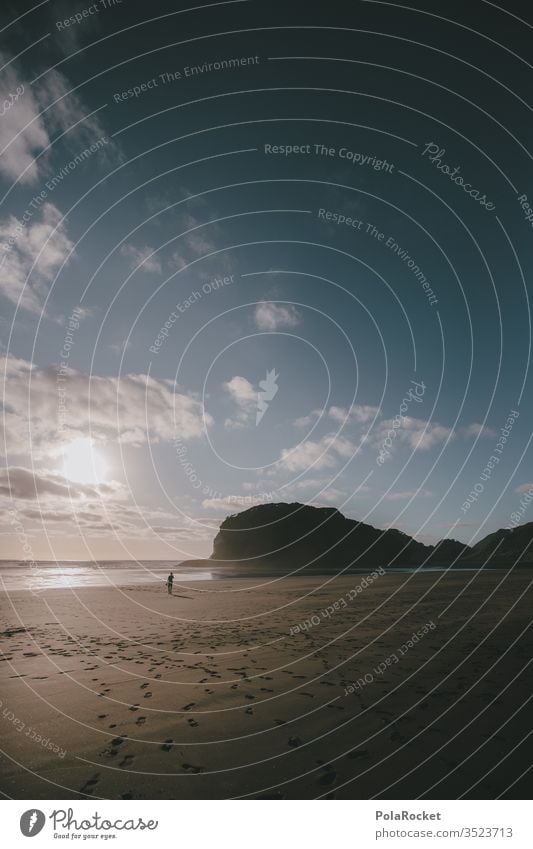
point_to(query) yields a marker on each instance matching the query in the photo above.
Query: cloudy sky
(255, 253)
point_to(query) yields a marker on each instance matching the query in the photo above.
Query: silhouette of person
(170, 581)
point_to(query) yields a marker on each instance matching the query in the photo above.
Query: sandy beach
(415, 686)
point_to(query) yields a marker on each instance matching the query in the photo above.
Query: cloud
(475, 429)
(234, 503)
(131, 409)
(356, 414)
(141, 258)
(359, 413)
(244, 396)
(419, 434)
(241, 390)
(22, 130)
(28, 126)
(47, 515)
(200, 239)
(525, 487)
(73, 37)
(17, 482)
(318, 490)
(307, 421)
(36, 252)
(271, 316)
(331, 495)
(323, 454)
(95, 516)
(68, 110)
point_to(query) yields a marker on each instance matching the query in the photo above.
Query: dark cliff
(298, 535)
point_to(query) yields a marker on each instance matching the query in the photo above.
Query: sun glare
(83, 463)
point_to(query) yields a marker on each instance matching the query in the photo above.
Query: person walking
(170, 581)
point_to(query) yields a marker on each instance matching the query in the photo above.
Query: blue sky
(178, 261)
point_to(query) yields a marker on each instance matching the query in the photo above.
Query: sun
(83, 463)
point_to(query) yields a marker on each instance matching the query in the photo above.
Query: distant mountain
(504, 547)
(297, 535)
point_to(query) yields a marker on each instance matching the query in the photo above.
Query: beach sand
(211, 693)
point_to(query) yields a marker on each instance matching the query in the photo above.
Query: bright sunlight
(83, 463)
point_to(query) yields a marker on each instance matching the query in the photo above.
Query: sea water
(21, 575)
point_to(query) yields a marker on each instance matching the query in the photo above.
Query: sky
(259, 252)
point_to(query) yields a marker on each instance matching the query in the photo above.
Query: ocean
(47, 575)
(44, 575)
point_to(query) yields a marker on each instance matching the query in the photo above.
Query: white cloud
(141, 258)
(419, 434)
(234, 503)
(27, 127)
(131, 409)
(359, 413)
(68, 110)
(200, 239)
(322, 454)
(307, 421)
(20, 483)
(475, 429)
(525, 487)
(313, 491)
(422, 435)
(270, 316)
(29, 265)
(241, 390)
(22, 130)
(93, 516)
(244, 396)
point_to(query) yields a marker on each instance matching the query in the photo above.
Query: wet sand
(223, 690)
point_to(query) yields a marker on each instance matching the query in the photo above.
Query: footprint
(140, 720)
(103, 715)
(294, 741)
(360, 753)
(134, 707)
(167, 745)
(328, 778)
(127, 760)
(144, 686)
(148, 695)
(189, 706)
(195, 769)
(192, 723)
(249, 710)
(90, 784)
(117, 741)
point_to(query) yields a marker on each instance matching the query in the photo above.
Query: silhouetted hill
(505, 547)
(298, 535)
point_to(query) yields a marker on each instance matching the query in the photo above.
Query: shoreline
(76, 575)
